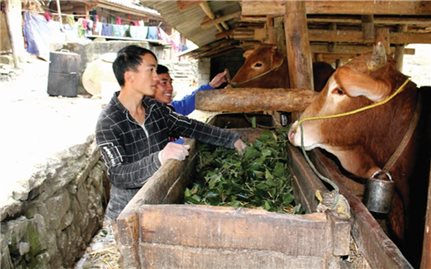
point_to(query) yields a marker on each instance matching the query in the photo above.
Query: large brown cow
(266, 67)
(364, 142)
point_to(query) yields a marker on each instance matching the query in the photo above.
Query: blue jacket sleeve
(186, 105)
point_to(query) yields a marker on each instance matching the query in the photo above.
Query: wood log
(254, 100)
(14, 21)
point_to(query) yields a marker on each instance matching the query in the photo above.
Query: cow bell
(379, 191)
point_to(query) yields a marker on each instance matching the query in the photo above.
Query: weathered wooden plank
(419, 21)
(276, 7)
(357, 37)
(406, 38)
(166, 256)
(229, 228)
(254, 100)
(126, 230)
(351, 49)
(299, 58)
(306, 183)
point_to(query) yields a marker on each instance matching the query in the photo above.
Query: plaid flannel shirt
(130, 150)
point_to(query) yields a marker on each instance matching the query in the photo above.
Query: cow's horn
(378, 59)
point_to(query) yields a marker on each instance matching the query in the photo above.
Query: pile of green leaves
(258, 178)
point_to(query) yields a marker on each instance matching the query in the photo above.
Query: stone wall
(49, 223)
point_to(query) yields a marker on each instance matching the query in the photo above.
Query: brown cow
(266, 67)
(364, 142)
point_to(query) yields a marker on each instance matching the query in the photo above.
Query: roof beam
(276, 7)
(207, 10)
(212, 22)
(185, 4)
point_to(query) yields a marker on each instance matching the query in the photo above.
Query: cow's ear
(378, 58)
(247, 53)
(277, 57)
(360, 84)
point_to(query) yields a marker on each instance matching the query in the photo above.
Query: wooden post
(368, 27)
(271, 31)
(399, 50)
(382, 35)
(59, 13)
(298, 47)
(426, 249)
(14, 25)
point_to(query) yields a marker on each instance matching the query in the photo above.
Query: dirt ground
(37, 126)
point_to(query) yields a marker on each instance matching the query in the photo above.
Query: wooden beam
(185, 4)
(357, 37)
(261, 19)
(382, 35)
(207, 10)
(299, 56)
(368, 27)
(272, 39)
(350, 49)
(419, 21)
(211, 23)
(399, 50)
(276, 7)
(409, 37)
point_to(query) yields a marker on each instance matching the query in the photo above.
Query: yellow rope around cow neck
(400, 89)
(336, 202)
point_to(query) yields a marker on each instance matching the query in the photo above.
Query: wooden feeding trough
(156, 231)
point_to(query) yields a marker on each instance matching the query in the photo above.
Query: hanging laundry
(107, 29)
(152, 32)
(47, 15)
(37, 35)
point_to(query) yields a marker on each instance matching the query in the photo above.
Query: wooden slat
(185, 4)
(211, 23)
(419, 21)
(357, 37)
(350, 49)
(276, 7)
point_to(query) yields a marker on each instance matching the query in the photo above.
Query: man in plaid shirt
(133, 130)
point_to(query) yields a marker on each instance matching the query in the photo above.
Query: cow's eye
(338, 91)
(258, 64)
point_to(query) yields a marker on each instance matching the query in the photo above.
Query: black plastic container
(63, 76)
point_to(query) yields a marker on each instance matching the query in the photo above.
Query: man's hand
(240, 146)
(173, 151)
(219, 79)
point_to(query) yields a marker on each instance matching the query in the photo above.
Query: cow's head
(258, 62)
(361, 82)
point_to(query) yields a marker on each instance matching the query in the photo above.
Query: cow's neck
(356, 160)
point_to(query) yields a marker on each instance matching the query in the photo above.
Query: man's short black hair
(129, 58)
(161, 69)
